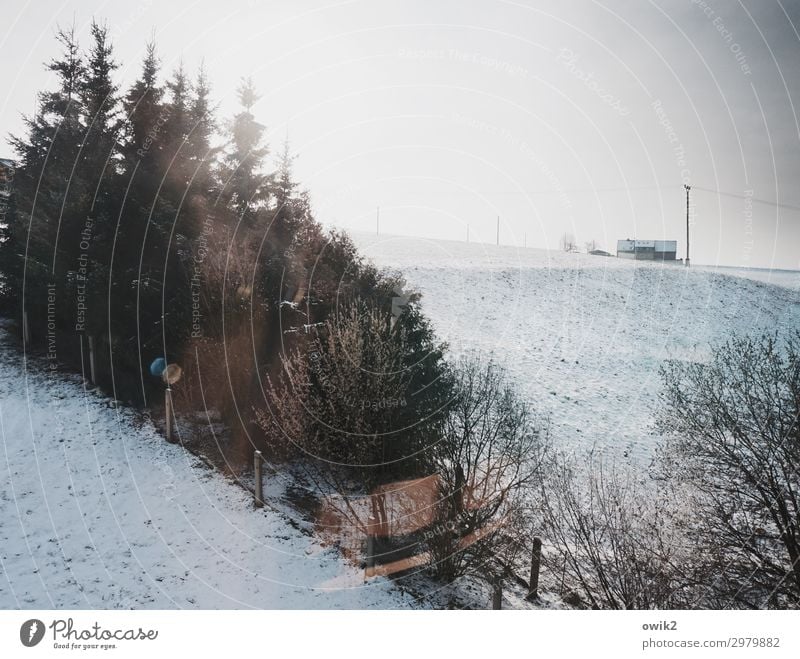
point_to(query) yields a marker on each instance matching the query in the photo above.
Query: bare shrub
(613, 536)
(489, 461)
(734, 440)
(348, 397)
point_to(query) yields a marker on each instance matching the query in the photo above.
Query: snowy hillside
(582, 335)
(98, 511)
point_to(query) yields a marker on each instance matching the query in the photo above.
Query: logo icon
(31, 632)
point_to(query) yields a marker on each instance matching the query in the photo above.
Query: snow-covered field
(583, 336)
(98, 511)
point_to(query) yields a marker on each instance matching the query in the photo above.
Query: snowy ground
(582, 335)
(98, 511)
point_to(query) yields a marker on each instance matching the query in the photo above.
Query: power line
(667, 187)
(741, 196)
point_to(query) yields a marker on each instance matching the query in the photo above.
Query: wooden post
(259, 492)
(168, 412)
(92, 371)
(26, 329)
(369, 559)
(497, 594)
(536, 561)
(458, 495)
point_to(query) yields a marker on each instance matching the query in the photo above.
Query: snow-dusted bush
(733, 427)
(489, 460)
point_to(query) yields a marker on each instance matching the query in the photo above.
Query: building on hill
(647, 250)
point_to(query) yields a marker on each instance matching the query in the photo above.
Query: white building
(647, 250)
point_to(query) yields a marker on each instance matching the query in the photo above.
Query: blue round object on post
(158, 366)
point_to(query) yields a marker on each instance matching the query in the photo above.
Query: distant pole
(498, 230)
(378, 221)
(92, 370)
(688, 187)
(468, 233)
(259, 493)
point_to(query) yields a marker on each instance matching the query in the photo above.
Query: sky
(576, 117)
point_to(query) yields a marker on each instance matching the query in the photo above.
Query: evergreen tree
(200, 152)
(144, 118)
(143, 171)
(47, 155)
(245, 187)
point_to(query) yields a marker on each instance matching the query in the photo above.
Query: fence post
(92, 370)
(168, 412)
(536, 562)
(369, 562)
(497, 594)
(26, 329)
(257, 463)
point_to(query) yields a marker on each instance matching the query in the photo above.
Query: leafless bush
(339, 396)
(489, 461)
(734, 440)
(613, 537)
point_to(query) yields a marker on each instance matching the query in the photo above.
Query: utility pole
(688, 187)
(378, 221)
(498, 230)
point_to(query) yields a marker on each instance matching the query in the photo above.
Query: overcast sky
(584, 117)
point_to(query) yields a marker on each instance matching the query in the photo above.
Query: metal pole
(168, 412)
(688, 187)
(92, 370)
(259, 493)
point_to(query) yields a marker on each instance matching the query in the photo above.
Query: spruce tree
(245, 186)
(46, 158)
